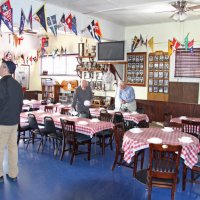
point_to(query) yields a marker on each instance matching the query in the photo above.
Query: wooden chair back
(65, 111)
(48, 109)
(163, 167)
(118, 117)
(119, 131)
(107, 117)
(167, 118)
(68, 130)
(191, 127)
(175, 126)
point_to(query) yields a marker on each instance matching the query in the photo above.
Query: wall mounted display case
(158, 76)
(136, 69)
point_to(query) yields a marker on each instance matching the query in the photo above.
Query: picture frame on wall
(22, 75)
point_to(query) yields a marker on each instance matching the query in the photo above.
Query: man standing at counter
(127, 96)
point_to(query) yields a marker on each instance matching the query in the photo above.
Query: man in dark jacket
(82, 98)
(11, 100)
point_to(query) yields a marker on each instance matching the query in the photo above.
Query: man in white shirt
(127, 96)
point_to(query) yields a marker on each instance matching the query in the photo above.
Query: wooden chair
(49, 109)
(84, 114)
(119, 118)
(163, 167)
(103, 135)
(192, 128)
(195, 170)
(167, 118)
(119, 154)
(74, 140)
(175, 126)
(65, 111)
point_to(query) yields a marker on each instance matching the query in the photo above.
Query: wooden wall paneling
(156, 109)
(183, 92)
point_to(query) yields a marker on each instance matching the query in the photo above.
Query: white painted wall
(162, 33)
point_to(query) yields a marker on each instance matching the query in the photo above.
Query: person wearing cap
(127, 96)
(11, 101)
(82, 98)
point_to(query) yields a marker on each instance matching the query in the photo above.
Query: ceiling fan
(183, 8)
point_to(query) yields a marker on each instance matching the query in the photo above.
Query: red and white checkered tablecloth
(178, 119)
(33, 103)
(57, 107)
(90, 129)
(133, 142)
(137, 118)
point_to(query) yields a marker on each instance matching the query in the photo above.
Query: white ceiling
(127, 12)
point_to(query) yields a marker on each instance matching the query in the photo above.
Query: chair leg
(89, 150)
(184, 177)
(41, 143)
(135, 164)
(44, 142)
(172, 193)
(116, 159)
(149, 185)
(142, 160)
(63, 149)
(111, 146)
(18, 137)
(103, 145)
(73, 153)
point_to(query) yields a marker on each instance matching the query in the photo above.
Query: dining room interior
(110, 150)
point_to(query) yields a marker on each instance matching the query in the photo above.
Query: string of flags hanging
(173, 45)
(70, 22)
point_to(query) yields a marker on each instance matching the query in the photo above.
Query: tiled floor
(43, 177)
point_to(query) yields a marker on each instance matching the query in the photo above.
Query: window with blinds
(187, 64)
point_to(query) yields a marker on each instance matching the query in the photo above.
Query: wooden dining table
(35, 104)
(135, 117)
(88, 128)
(133, 142)
(179, 119)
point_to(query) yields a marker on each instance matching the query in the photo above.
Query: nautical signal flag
(69, 21)
(74, 28)
(190, 45)
(170, 49)
(41, 16)
(186, 41)
(6, 14)
(151, 43)
(22, 22)
(135, 43)
(30, 18)
(52, 23)
(97, 29)
(175, 44)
